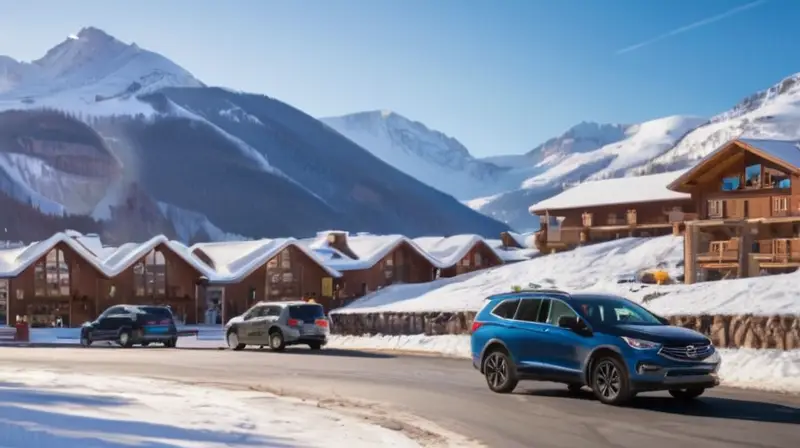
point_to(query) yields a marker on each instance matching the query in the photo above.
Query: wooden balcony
(721, 252)
(779, 251)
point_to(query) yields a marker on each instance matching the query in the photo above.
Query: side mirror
(573, 323)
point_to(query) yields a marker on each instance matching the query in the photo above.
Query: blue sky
(500, 76)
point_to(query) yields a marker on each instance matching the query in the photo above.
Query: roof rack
(532, 289)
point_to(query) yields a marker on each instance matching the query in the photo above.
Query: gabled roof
(450, 250)
(625, 190)
(524, 240)
(512, 254)
(785, 153)
(236, 260)
(370, 249)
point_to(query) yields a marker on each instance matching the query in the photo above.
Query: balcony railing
(779, 250)
(721, 251)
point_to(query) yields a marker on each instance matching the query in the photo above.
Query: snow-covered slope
(430, 156)
(596, 268)
(89, 72)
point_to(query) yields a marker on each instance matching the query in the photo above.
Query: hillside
(100, 115)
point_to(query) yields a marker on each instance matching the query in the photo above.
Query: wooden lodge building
(747, 194)
(604, 210)
(70, 278)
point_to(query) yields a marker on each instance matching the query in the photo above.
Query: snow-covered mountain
(107, 130)
(89, 72)
(428, 155)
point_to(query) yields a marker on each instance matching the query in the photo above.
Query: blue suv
(608, 343)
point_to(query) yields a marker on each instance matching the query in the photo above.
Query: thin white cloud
(692, 26)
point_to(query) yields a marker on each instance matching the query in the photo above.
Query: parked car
(130, 325)
(608, 343)
(278, 325)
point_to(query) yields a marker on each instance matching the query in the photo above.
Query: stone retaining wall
(731, 331)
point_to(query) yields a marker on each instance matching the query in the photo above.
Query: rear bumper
(320, 339)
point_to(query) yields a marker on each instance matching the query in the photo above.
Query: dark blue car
(608, 343)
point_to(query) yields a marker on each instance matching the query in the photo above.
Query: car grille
(694, 352)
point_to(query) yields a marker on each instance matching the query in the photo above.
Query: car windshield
(611, 311)
(306, 313)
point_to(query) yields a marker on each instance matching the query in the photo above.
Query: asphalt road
(450, 393)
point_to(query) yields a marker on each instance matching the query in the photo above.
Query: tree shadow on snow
(25, 394)
(713, 407)
(22, 427)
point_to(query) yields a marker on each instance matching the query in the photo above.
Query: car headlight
(640, 344)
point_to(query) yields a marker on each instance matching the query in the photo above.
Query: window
(465, 262)
(752, 176)
(586, 219)
(273, 311)
(259, 311)
(615, 311)
(4, 302)
(731, 183)
(784, 183)
(283, 278)
(150, 275)
(528, 310)
(612, 219)
(306, 313)
(506, 309)
(715, 208)
(478, 259)
(559, 309)
(52, 276)
(780, 204)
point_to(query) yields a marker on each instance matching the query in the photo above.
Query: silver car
(278, 325)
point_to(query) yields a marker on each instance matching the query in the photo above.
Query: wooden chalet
(245, 272)
(604, 210)
(460, 254)
(747, 193)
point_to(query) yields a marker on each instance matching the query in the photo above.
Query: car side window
(559, 309)
(112, 311)
(528, 310)
(255, 312)
(273, 311)
(506, 309)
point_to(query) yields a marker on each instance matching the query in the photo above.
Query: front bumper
(654, 373)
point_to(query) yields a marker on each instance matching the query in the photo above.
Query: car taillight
(293, 323)
(322, 322)
(476, 325)
(151, 323)
(166, 322)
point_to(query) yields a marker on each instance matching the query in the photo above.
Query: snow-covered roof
(234, 260)
(787, 151)
(450, 250)
(525, 240)
(512, 254)
(625, 190)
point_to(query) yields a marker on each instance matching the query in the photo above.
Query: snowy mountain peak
(429, 155)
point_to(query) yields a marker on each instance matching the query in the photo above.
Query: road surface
(450, 393)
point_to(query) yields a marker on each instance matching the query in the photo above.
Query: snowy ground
(50, 409)
(596, 268)
(771, 370)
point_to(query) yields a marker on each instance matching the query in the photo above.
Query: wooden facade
(567, 228)
(289, 275)
(749, 214)
(403, 264)
(63, 289)
(480, 256)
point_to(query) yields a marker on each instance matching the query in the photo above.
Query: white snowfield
(768, 370)
(596, 268)
(60, 409)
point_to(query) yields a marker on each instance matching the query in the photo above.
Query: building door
(4, 302)
(215, 305)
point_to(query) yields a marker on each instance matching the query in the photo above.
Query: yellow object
(327, 287)
(661, 277)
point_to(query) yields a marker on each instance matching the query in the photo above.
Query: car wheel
(276, 342)
(171, 343)
(500, 372)
(233, 341)
(145, 344)
(124, 339)
(687, 394)
(315, 345)
(86, 339)
(610, 382)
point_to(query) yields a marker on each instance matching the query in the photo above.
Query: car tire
(232, 338)
(687, 394)
(145, 344)
(86, 339)
(171, 343)
(315, 345)
(500, 372)
(610, 382)
(276, 341)
(125, 339)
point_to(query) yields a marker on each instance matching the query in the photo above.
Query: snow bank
(47, 408)
(597, 268)
(771, 370)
